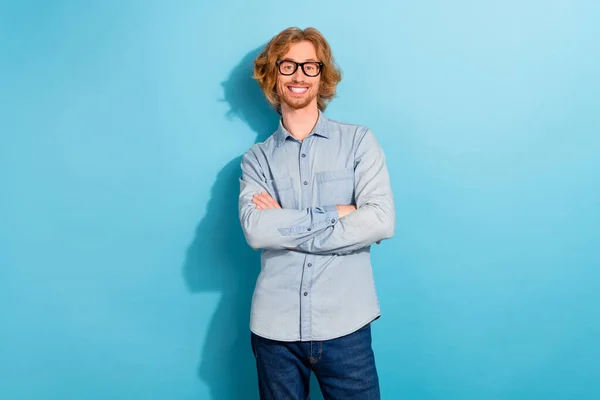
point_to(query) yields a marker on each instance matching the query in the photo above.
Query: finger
(270, 201)
(260, 202)
(265, 202)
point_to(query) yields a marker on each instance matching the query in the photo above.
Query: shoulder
(259, 151)
(355, 132)
(345, 127)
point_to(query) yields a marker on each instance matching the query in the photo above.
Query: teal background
(124, 273)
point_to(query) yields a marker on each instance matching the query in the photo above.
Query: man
(314, 196)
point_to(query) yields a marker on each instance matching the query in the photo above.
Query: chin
(298, 104)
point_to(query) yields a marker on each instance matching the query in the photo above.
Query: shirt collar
(321, 129)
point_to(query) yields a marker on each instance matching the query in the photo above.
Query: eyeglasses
(310, 68)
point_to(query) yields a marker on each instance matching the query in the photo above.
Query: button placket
(305, 177)
(306, 283)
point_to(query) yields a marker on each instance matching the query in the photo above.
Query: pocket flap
(281, 184)
(335, 175)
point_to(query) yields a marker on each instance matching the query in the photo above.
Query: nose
(298, 75)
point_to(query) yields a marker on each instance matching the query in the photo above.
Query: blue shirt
(316, 280)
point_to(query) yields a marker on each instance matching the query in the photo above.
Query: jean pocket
(336, 186)
(283, 192)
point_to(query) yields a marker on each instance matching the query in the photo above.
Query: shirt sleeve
(374, 218)
(276, 228)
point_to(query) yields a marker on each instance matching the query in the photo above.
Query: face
(299, 90)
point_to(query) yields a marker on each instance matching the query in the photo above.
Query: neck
(299, 123)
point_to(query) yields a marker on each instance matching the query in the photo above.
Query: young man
(314, 196)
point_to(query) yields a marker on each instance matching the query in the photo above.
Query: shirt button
(305, 183)
(303, 155)
(305, 294)
(309, 265)
(309, 229)
(332, 221)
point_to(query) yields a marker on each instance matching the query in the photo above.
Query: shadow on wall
(220, 260)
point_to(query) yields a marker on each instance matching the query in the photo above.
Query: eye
(287, 66)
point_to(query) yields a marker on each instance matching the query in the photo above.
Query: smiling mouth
(298, 89)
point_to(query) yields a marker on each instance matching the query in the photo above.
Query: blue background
(124, 273)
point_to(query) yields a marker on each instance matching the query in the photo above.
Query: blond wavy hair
(265, 67)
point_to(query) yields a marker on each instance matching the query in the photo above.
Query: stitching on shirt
(292, 230)
(299, 229)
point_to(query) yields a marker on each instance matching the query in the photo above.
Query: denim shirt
(316, 280)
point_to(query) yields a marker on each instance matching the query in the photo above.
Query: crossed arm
(328, 229)
(264, 201)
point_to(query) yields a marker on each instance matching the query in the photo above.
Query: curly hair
(265, 68)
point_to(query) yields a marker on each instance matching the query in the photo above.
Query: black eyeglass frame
(301, 65)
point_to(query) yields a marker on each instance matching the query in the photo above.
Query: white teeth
(298, 90)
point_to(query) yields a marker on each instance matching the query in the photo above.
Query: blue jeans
(344, 367)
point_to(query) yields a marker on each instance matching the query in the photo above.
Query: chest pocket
(335, 187)
(282, 190)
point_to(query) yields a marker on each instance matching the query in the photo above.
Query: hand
(344, 210)
(264, 201)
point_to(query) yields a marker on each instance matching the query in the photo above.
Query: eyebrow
(306, 60)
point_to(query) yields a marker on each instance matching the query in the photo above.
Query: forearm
(361, 228)
(284, 228)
